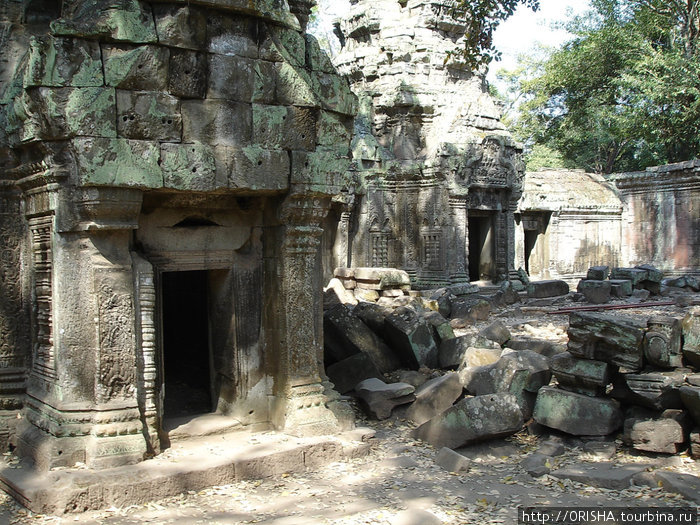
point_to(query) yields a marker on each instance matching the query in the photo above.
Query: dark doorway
(481, 248)
(186, 349)
(530, 242)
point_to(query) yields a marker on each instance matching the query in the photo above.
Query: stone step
(190, 465)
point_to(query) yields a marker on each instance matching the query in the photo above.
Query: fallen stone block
(690, 397)
(695, 443)
(349, 372)
(584, 376)
(497, 332)
(537, 465)
(596, 292)
(363, 294)
(505, 296)
(347, 335)
(434, 397)
(452, 461)
(335, 293)
(442, 331)
(379, 398)
(552, 288)
(601, 449)
(476, 356)
(662, 342)
(443, 297)
(536, 365)
(452, 351)
(471, 420)
(654, 275)
(636, 275)
(613, 339)
(598, 273)
(463, 289)
(412, 377)
(621, 287)
(654, 390)
(382, 278)
(411, 338)
(373, 315)
(551, 448)
(541, 346)
(665, 435)
(602, 475)
(686, 485)
(470, 308)
(576, 414)
(691, 337)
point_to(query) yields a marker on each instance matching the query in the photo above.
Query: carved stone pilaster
(302, 10)
(458, 242)
(301, 404)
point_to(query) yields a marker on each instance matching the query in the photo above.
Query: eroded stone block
(64, 62)
(148, 115)
(217, 122)
(433, 397)
(188, 74)
(584, 376)
(411, 338)
(577, 414)
(137, 68)
(180, 26)
(551, 288)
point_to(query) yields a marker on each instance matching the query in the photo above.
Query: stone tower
(439, 177)
(164, 170)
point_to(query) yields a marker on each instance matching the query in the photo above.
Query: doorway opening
(187, 359)
(481, 248)
(530, 242)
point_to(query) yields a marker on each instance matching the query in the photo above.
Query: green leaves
(624, 93)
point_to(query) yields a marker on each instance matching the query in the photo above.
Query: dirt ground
(399, 483)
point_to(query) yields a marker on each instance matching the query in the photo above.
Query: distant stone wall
(662, 216)
(567, 221)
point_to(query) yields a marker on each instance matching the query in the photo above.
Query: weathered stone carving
(151, 151)
(436, 169)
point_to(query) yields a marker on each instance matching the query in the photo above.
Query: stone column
(511, 271)
(458, 241)
(300, 403)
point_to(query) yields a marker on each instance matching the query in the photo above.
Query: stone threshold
(188, 465)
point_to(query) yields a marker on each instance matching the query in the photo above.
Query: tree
(624, 93)
(483, 17)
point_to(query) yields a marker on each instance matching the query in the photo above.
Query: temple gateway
(164, 171)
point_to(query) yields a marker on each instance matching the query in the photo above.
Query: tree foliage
(624, 93)
(483, 17)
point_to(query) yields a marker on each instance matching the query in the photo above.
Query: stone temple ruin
(180, 179)
(165, 170)
(437, 176)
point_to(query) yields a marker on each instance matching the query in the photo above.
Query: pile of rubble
(396, 351)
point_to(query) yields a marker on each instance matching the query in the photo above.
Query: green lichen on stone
(118, 163)
(259, 169)
(323, 171)
(91, 112)
(290, 45)
(334, 93)
(123, 20)
(273, 10)
(316, 58)
(190, 167)
(294, 86)
(333, 129)
(63, 62)
(144, 67)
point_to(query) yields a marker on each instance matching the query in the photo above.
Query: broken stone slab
(382, 278)
(335, 293)
(621, 287)
(598, 273)
(537, 465)
(551, 288)
(452, 351)
(606, 475)
(411, 337)
(653, 274)
(601, 449)
(596, 292)
(373, 315)
(470, 308)
(443, 297)
(616, 340)
(496, 331)
(636, 275)
(690, 397)
(412, 377)
(665, 434)
(686, 485)
(349, 372)
(695, 443)
(541, 346)
(452, 461)
(477, 356)
(472, 420)
(434, 397)
(343, 330)
(691, 337)
(654, 390)
(536, 364)
(584, 376)
(505, 296)
(551, 448)
(442, 331)
(662, 342)
(461, 289)
(693, 379)
(392, 293)
(379, 398)
(363, 294)
(577, 414)
(639, 295)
